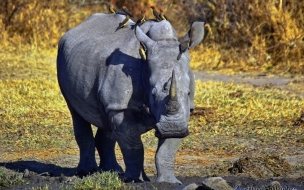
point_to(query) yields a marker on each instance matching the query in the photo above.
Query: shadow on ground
(39, 168)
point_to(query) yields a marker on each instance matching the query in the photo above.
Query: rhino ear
(145, 27)
(195, 34)
(143, 38)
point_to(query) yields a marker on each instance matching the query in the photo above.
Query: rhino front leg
(85, 140)
(105, 144)
(164, 159)
(124, 126)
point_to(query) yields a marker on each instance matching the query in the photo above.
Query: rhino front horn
(173, 105)
(172, 92)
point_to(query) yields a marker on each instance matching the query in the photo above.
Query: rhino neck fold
(145, 82)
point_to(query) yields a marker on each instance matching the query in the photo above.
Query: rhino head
(166, 79)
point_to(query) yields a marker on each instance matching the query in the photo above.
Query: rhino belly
(91, 112)
(80, 91)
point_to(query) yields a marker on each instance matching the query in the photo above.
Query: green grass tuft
(9, 178)
(104, 180)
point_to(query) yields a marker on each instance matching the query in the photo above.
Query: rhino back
(99, 69)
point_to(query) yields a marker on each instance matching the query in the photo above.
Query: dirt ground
(246, 172)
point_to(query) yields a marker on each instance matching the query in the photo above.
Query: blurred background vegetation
(246, 35)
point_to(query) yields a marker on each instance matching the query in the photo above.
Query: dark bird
(126, 10)
(155, 13)
(142, 18)
(142, 52)
(112, 8)
(183, 46)
(123, 23)
(161, 15)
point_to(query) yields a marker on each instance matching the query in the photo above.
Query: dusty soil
(241, 172)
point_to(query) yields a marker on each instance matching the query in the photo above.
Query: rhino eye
(166, 87)
(153, 92)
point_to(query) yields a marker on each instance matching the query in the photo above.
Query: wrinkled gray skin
(105, 83)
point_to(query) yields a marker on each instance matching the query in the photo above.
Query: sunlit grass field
(230, 119)
(33, 113)
(35, 118)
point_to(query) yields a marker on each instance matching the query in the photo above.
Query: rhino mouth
(167, 128)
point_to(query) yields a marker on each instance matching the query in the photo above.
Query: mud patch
(261, 167)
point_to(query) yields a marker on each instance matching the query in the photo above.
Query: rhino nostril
(172, 107)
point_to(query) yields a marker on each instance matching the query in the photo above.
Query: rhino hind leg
(125, 128)
(105, 145)
(85, 140)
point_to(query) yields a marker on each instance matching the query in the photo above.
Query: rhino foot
(128, 179)
(143, 176)
(83, 173)
(125, 179)
(168, 178)
(87, 167)
(113, 168)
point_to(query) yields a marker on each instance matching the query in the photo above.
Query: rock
(62, 178)
(216, 183)
(275, 185)
(192, 186)
(26, 173)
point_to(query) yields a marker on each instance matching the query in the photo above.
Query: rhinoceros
(106, 83)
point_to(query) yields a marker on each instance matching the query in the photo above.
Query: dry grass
(230, 119)
(240, 112)
(9, 178)
(35, 117)
(33, 113)
(253, 36)
(266, 36)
